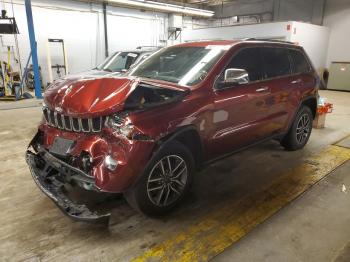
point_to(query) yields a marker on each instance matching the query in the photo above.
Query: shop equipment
(57, 67)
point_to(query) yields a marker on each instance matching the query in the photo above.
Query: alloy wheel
(303, 128)
(167, 180)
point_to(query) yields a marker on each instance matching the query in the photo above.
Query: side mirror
(236, 76)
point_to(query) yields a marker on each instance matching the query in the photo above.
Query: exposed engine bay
(146, 96)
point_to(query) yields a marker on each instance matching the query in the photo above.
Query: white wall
(337, 18)
(129, 28)
(271, 30)
(313, 38)
(81, 27)
(275, 10)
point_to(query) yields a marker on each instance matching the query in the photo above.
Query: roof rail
(204, 40)
(147, 47)
(267, 39)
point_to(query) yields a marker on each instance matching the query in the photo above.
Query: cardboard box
(319, 121)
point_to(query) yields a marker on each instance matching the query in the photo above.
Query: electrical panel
(175, 21)
(339, 76)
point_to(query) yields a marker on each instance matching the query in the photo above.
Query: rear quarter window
(300, 63)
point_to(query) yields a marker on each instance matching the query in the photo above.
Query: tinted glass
(249, 60)
(300, 64)
(276, 62)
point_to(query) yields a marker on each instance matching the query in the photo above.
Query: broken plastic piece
(54, 190)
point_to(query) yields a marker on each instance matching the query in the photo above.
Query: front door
(239, 109)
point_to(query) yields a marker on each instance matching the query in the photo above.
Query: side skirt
(276, 137)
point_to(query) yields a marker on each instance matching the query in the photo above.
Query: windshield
(185, 66)
(118, 62)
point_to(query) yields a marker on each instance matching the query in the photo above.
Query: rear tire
(165, 181)
(300, 131)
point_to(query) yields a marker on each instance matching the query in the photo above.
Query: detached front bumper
(41, 164)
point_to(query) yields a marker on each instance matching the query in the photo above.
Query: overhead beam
(157, 7)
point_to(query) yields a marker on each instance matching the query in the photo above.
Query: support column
(33, 47)
(105, 28)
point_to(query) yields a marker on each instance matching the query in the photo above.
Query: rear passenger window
(249, 60)
(300, 64)
(276, 62)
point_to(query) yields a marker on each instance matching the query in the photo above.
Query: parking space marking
(344, 142)
(211, 235)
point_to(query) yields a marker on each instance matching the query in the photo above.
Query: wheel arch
(190, 138)
(310, 102)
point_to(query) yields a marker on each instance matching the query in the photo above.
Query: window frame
(293, 64)
(263, 66)
(226, 67)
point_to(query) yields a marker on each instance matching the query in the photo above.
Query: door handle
(262, 89)
(298, 81)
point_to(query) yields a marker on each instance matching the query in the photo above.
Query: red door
(238, 117)
(239, 110)
(279, 104)
(278, 75)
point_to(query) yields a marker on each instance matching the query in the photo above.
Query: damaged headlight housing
(123, 127)
(119, 124)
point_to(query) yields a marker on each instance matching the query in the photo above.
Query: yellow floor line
(225, 226)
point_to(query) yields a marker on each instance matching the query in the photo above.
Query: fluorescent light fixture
(162, 7)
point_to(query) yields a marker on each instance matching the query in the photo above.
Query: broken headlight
(120, 125)
(123, 127)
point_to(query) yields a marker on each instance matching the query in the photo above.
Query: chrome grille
(75, 124)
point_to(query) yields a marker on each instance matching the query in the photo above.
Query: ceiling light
(169, 8)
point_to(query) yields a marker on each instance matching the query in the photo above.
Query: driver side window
(248, 60)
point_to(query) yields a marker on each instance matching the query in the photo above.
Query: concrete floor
(312, 228)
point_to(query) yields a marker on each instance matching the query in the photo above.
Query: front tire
(300, 131)
(165, 181)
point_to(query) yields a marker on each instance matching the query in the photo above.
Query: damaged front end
(96, 135)
(51, 174)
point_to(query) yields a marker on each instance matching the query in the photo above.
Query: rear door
(278, 76)
(239, 109)
(304, 78)
(301, 69)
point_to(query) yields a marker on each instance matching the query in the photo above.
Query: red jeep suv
(145, 134)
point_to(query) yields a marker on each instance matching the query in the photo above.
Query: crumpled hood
(90, 97)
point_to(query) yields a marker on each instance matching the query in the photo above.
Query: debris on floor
(323, 109)
(344, 189)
